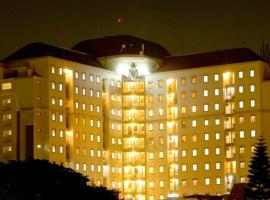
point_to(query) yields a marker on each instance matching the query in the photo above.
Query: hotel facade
(131, 117)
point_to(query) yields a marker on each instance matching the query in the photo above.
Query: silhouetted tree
(258, 186)
(41, 180)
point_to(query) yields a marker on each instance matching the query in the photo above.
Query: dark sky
(182, 26)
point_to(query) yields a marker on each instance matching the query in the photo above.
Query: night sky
(181, 26)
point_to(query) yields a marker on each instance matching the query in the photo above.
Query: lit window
(91, 137)
(150, 99)
(61, 118)
(205, 107)
(183, 95)
(184, 153)
(61, 102)
(76, 90)
(91, 107)
(161, 184)
(207, 181)
(76, 75)
(61, 149)
(53, 86)
(61, 133)
(60, 86)
(206, 166)
(194, 123)
(53, 70)
(161, 169)
(206, 122)
(252, 88)
(184, 168)
(253, 148)
(216, 106)
(218, 181)
(183, 109)
(218, 165)
(194, 138)
(216, 92)
(91, 78)
(206, 136)
(252, 103)
(216, 77)
(150, 113)
(6, 86)
(161, 154)
(60, 71)
(98, 94)
(76, 105)
(242, 165)
(194, 182)
(194, 152)
(91, 122)
(205, 93)
(217, 136)
(193, 94)
(194, 167)
(183, 80)
(205, 79)
(98, 108)
(251, 73)
(241, 104)
(242, 134)
(194, 79)
(53, 101)
(160, 83)
(98, 79)
(194, 108)
(53, 116)
(218, 150)
(118, 84)
(151, 170)
(242, 150)
(206, 151)
(160, 111)
(241, 120)
(160, 97)
(53, 132)
(253, 133)
(150, 84)
(151, 155)
(217, 121)
(112, 83)
(53, 148)
(252, 118)
(83, 91)
(161, 126)
(83, 106)
(241, 89)
(150, 127)
(240, 74)
(91, 93)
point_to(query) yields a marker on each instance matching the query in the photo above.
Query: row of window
(91, 92)
(92, 167)
(205, 79)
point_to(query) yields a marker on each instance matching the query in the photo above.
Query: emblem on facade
(133, 72)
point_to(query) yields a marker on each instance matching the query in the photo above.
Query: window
(161, 126)
(161, 169)
(207, 181)
(150, 113)
(194, 167)
(150, 99)
(218, 181)
(161, 184)
(241, 104)
(151, 155)
(252, 88)
(150, 84)
(61, 118)
(76, 75)
(218, 150)
(251, 73)
(194, 79)
(193, 108)
(194, 182)
(252, 118)
(241, 89)
(216, 106)
(253, 133)
(53, 148)
(60, 102)
(205, 79)
(194, 138)
(98, 93)
(218, 165)
(160, 111)
(242, 150)
(216, 92)
(112, 83)
(91, 78)
(206, 166)
(206, 151)
(194, 152)
(205, 93)
(53, 116)
(242, 165)
(183, 109)
(206, 136)
(183, 80)
(76, 90)
(240, 74)
(53, 132)
(183, 95)
(161, 154)
(6, 86)
(53, 70)
(184, 153)
(193, 94)
(53, 86)
(194, 123)
(217, 136)
(241, 120)
(53, 101)
(98, 79)
(217, 121)
(60, 86)
(60, 71)
(241, 134)
(184, 168)
(252, 103)
(83, 106)
(216, 77)
(61, 149)
(160, 97)
(206, 122)
(61, 133)
(160, 83)
(205, 107)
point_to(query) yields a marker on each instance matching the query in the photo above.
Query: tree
(258, 186)
(41, 180)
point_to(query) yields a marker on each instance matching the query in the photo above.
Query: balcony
(134, 176)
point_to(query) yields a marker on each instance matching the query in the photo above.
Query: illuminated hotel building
(130, 116)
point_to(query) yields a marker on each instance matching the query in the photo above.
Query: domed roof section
(121, 44)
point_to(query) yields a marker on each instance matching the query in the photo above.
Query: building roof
(208, 59)
(121, 44)
(38, 49)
